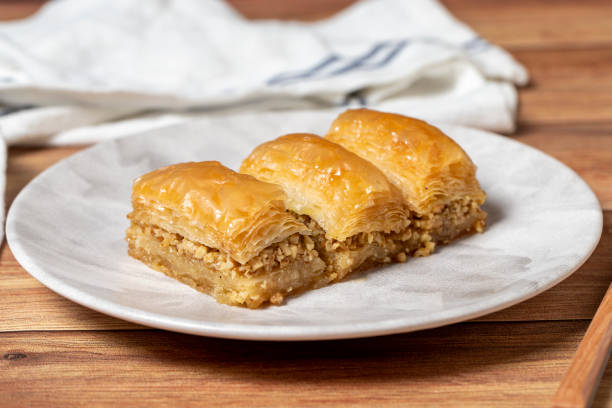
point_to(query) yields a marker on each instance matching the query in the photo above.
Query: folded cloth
(81, 71)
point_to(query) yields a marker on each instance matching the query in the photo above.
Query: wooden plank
(603, 394)
(538, 24)
(563, 106)
(567, 87)
(468, 364)
(31, 306)
(582, 377)
(580, 70)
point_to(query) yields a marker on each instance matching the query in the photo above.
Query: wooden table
(58, 353)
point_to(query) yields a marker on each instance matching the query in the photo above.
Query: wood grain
(582, 376)
(579, 70)
(31, 306)
(563, 106)
(567, 87)
(448, 367)
(57, 353)
(538, 24)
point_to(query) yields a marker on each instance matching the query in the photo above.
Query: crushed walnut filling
(279, 255)
(459, 216)
(397, 246)
(418, 239)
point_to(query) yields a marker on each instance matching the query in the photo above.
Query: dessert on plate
(221, 232)
(305, 211)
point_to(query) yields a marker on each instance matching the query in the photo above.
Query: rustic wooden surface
(580, 380)
(57, 353)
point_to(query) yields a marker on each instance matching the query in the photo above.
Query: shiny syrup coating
(345, 194)
(235, 212)
(427, 166)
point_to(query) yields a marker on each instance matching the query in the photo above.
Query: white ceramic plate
(67, 227)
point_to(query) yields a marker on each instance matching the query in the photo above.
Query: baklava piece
(352, 209)
(436, 177)
(223, 233)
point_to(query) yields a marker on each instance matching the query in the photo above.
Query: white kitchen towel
(81, 71)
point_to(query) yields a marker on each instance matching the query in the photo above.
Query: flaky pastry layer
(215, 206)
(428, 167)
(343, 193)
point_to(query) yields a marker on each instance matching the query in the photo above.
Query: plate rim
(260, 332)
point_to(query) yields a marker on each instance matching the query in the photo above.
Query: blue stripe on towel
(384, 52)
(307, 74)
(334, 65)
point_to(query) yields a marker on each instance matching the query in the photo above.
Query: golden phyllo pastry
(347, 202)
(223, 233)
(305, 211)
(436, 177)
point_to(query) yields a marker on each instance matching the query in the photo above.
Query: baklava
(353, 211)
(304, 210)
(223, 233)
(435, 175)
